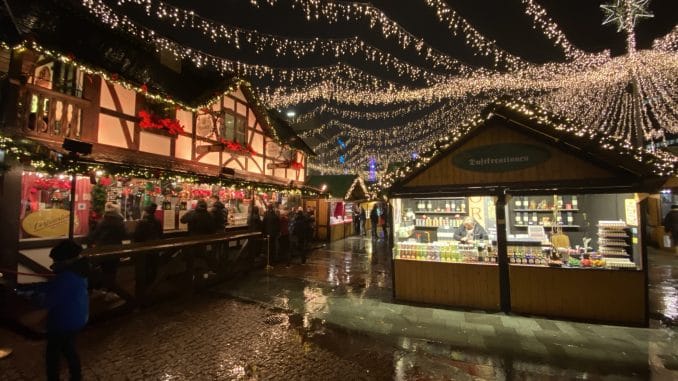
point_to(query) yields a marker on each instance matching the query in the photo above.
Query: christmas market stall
(338, 205)
(525, 212)
(110, 120)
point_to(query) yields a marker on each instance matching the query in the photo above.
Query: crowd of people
(288, 231)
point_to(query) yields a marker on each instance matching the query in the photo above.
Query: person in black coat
(220, 216)
(374, 220)
(199, 220)
(271, 228)
(254, 220)
(148, 228)
(110, 231)
(66, 299)
(671, 224)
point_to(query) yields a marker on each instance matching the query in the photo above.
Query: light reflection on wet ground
(347, 286)
(663, 293)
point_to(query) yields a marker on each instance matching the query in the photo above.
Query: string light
(281, 46)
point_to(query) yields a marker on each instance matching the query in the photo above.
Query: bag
(667, 241)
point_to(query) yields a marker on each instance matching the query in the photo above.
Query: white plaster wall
(229, 103)
(111, 132)
(238, 94)
(211, 158)
(182, 149)
(127, 99)
(154, 143)
(185, 118)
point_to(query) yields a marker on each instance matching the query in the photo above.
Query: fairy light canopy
(391, 78)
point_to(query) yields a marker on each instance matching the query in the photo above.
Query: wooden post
(10, 210)
(502, 255)
(644, 239)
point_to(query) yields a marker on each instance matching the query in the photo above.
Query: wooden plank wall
(449, 284)
(590, 295)
(561, 166)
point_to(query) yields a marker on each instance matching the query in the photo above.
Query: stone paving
(208, 338)
(334, 319)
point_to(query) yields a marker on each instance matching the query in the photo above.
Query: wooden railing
(51, 114)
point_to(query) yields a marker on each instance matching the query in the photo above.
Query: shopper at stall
(310, 225)
(356, 219)
(110, 231)
(363, 220)
(67, 303)
(470, 231)
(254, 220)
(220, 216)
(374, 220)
(271, 229)
(298, 233)
(199, 221)
(671, 224)
(284, 239)
(148, 228)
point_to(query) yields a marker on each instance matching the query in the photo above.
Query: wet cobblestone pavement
(334, 319)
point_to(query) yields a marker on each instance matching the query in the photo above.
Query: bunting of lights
(300, 75)
(283, 46)
(550, 29)
(332, 12)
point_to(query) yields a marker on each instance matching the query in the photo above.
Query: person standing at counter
(110, 231)
(671, 224)
(199, 220)
(374, 220)
(148, 228)
(254, 220)
(220, 215)
(470, 231)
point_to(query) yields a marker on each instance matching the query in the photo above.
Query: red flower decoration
(236, 147)
(105, 181)
(149, 121)
(144, 88)
(296, 165)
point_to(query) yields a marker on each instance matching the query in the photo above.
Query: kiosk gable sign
(502, 157)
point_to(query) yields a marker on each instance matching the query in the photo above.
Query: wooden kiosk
(522, 172)
(334, 212)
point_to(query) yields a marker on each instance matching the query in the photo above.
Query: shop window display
(456, 229)
(45, 205)
(596, 231)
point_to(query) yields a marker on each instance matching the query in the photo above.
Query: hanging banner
(502, 157)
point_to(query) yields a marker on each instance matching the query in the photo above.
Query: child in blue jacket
(67, 302)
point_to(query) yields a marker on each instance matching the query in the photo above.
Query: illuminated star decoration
(625, 13)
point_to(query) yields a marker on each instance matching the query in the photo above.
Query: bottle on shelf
(518, 203)
(463, 207)
(560, 202)
(447, 206)
(574, 202)
(519, 219)
(535, 219)
(429, 206)
(570, 218)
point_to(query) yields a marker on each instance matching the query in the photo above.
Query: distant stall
(335, 208)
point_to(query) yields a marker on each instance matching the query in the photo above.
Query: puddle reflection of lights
(238, 371)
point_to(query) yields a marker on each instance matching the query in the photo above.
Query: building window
(234, 128)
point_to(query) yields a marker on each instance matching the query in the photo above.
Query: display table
(608, 296)
(467, 285)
